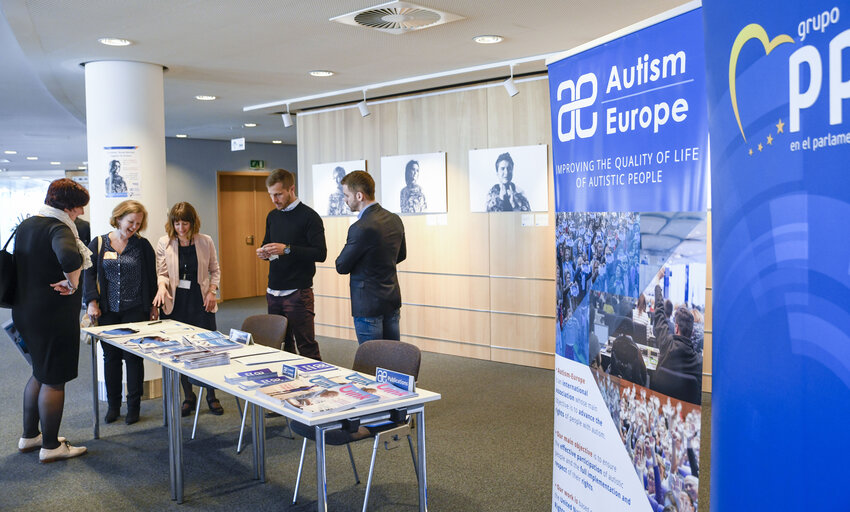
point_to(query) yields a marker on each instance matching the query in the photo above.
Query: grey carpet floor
(489, 447)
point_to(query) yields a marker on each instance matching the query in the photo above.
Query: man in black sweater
(676, 349)
(293, 243)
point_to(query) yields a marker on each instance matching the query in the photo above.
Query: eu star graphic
(780, 128)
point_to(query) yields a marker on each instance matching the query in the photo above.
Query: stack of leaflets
(173, 350)
(279, 392)
(150, 343)
(274, 379)
(201, 359)
(386, 391)
(328, 400)
(237, 377)
(315, 367)
(118, 332)
(215, 341)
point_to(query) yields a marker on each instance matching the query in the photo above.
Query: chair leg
(198, 410)
(241, 429)
(300, 467)
(371, 471)
(353, 466)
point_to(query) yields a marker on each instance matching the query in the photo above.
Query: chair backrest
(267, 330)
(626, 361)
(397, 356)
(681, 386)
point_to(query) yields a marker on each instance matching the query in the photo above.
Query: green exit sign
(258, 164)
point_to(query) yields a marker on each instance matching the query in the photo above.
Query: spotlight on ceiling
(509, 84)
(364, 109)
(287, 117)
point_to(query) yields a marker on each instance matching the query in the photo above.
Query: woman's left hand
(154, 313)
(64, 287)
(209, 301)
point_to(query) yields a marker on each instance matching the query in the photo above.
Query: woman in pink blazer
(187, 279)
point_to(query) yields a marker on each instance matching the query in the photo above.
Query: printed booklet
(385, 390)
(327, 400)
(280, 392)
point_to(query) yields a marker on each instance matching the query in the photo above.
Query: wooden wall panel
(534, 334)
(527, 296)
(448, 289)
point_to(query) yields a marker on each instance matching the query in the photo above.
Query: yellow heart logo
(751, 31)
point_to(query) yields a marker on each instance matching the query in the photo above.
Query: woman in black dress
(49, 258)
(119, 288)
(188, 275)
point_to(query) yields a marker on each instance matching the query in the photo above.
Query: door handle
(249, 240)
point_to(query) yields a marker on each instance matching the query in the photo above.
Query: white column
(125, 109)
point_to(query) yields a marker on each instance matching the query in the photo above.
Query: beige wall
(482, 285)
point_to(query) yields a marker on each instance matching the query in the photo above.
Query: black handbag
(8, 275)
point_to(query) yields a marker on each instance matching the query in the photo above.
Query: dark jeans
(112, 357)
(383, 327)
(300, 313)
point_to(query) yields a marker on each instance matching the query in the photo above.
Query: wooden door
(242, 208)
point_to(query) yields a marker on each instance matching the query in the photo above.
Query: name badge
(109, 255)
(184, 284)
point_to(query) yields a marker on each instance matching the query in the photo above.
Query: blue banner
(630, 132)
(629, 124)
(778, 94)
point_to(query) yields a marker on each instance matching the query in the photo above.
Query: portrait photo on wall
(414, 183)
(328, 200)
(509, 179)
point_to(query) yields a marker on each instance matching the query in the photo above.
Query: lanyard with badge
(185, 283)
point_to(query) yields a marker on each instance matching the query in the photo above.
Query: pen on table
(155, 322)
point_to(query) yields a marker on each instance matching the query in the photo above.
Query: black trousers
(113, 356)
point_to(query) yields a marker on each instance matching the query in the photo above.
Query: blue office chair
(391, 355)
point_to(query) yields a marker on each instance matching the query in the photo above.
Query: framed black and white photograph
(328, 200)
(414, 183)
(509, 179)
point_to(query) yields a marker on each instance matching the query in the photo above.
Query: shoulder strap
(99, 246)
(10, 238)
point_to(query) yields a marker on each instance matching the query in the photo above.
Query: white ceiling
(254, 52)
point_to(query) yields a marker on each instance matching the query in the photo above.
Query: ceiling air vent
(396, 17)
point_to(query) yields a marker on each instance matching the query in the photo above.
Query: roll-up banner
(778, 89)
(630, 153)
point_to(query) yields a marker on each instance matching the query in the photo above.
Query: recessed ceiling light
(5, 161)
(277, 142)
(249, 125)
(55, 163)
(10, 152)
(32, 158)
(114, 41)
(181, 135)
(488, 39)
(321, 72)
(25, 177)
(205, 97)
(81, 167)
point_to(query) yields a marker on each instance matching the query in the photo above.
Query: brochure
(337, 398)
(237, 377)
(279, 392)
(316, 367)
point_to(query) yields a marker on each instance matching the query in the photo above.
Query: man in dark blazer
(375, 245)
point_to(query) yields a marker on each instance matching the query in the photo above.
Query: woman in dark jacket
(119, 287)
(49, 258)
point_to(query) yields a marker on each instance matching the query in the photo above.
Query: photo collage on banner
(328, 200)
(414, 183)
(630, 134)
